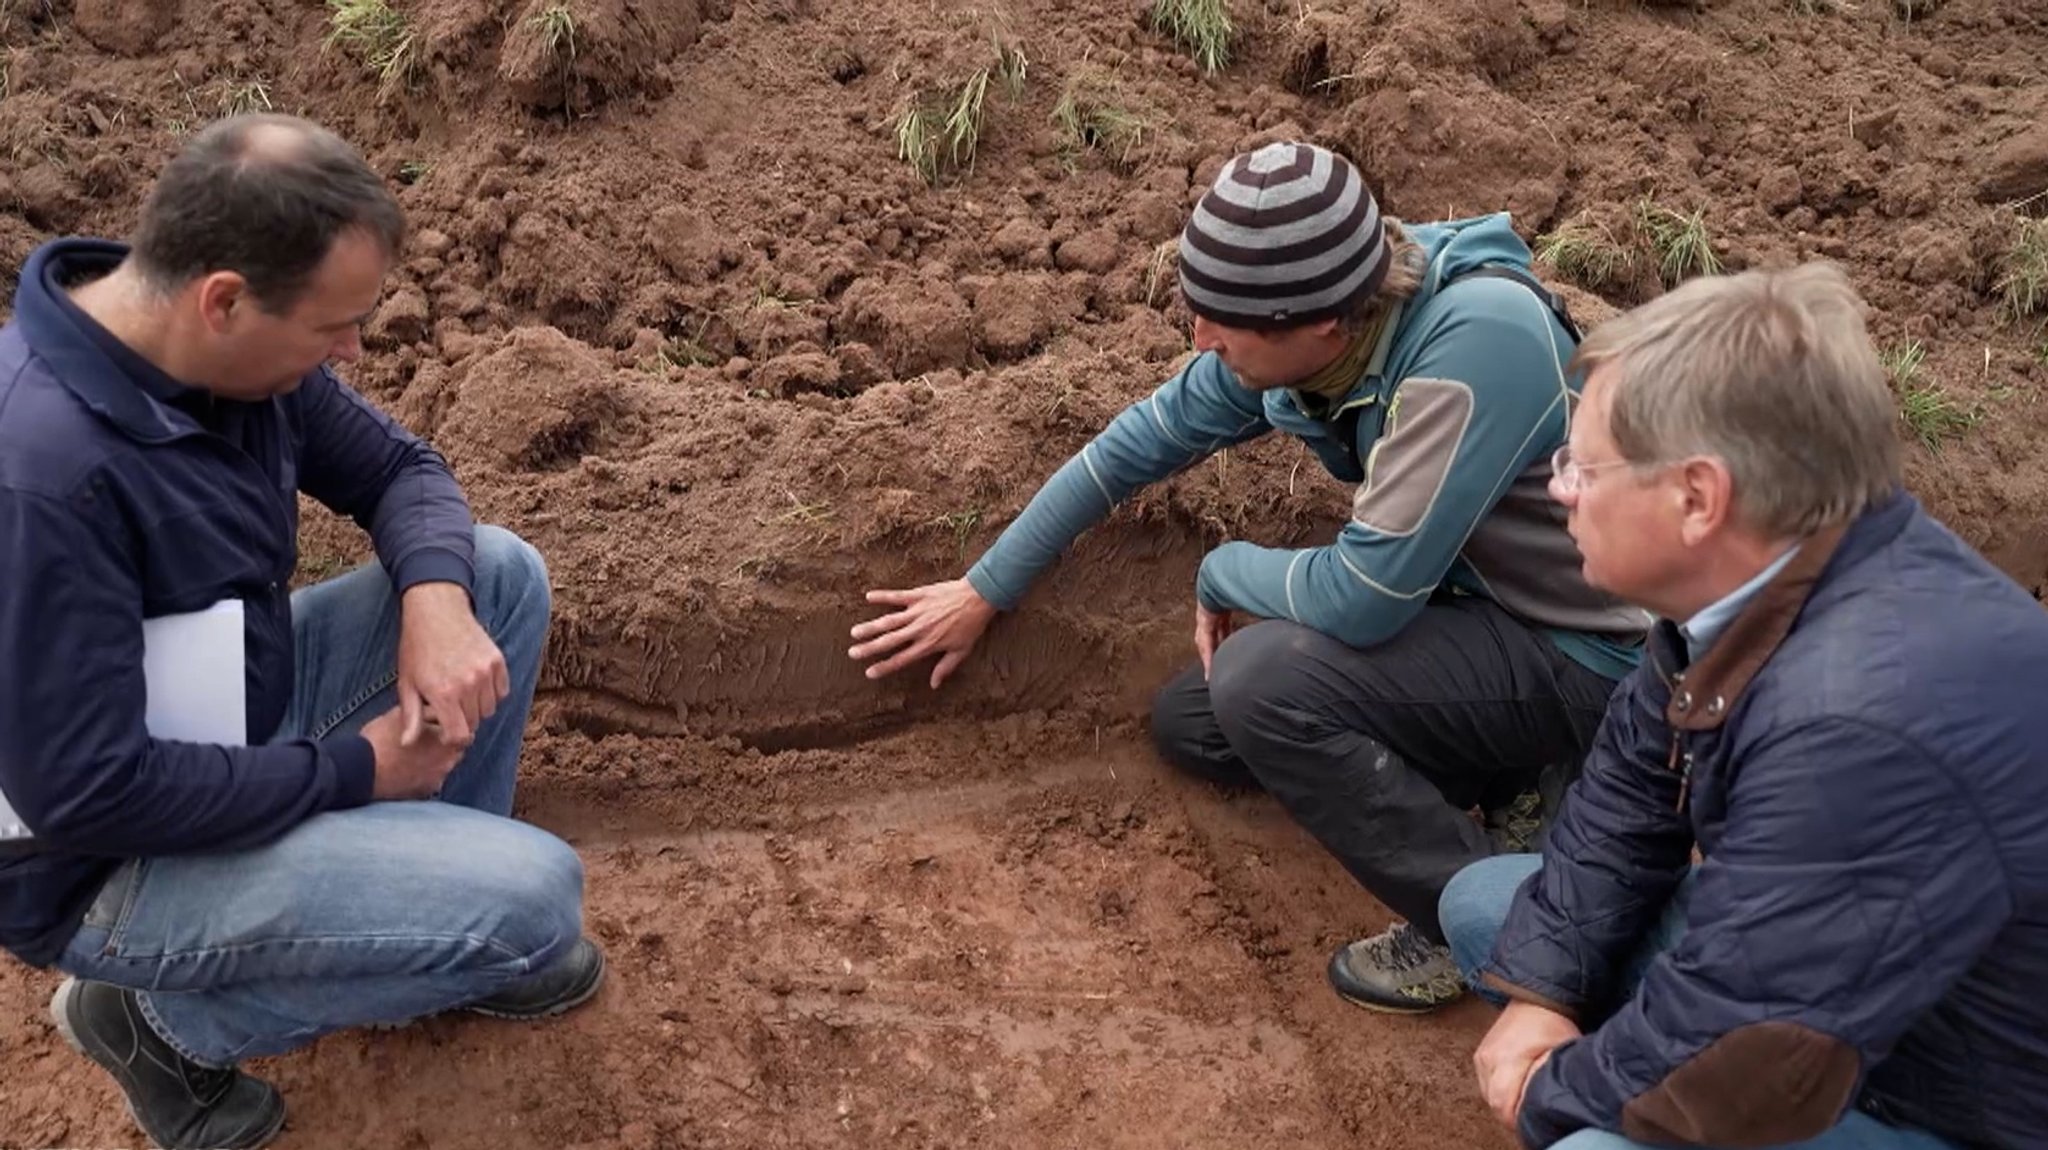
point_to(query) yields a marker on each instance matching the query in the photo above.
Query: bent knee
(1475, 902)
(502, 556)
(532, 884)
(1255, 669)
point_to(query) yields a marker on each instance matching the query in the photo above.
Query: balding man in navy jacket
(162, 407)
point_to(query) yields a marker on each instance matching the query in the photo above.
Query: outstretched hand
(946, 619)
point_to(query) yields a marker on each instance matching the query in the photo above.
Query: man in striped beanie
(1442, 653)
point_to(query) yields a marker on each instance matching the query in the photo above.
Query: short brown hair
(1773, 372)
(265, 196)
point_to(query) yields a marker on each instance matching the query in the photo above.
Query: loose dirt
(676, 311)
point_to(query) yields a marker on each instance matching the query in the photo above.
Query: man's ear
(223, 296)
(1706, 498)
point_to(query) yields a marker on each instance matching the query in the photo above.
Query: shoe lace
(209, 1084)
(1407, 950)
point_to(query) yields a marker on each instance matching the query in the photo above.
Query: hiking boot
(1518, 827)
(567, 983)
(1397, 971)
(180, 1104)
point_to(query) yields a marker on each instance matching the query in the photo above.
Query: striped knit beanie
(1288, 235)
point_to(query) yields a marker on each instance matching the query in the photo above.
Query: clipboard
(194, 674)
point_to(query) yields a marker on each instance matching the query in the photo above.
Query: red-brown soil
(677, 312)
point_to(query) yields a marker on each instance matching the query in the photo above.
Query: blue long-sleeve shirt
(125, 495)
(1457, 414)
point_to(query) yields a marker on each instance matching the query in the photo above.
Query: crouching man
(1840, 711)
(161, 408)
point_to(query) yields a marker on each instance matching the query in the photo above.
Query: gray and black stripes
(1287, 235)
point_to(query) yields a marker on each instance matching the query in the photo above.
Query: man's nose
(1568, 496)
(1208, 336)
(349, 348)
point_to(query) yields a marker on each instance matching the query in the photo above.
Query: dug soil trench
(676, 311)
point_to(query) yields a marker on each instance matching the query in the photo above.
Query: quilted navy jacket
(1861, 760)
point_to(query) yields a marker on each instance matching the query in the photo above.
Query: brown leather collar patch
(1706, 691)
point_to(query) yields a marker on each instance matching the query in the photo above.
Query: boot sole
(1379, 1007)
(1341, 985)
(60, 1014)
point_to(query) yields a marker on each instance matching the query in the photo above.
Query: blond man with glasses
(1798, 895)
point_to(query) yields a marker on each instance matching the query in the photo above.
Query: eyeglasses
(1568, 472)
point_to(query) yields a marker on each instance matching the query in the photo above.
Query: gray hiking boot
(1397, 971)
(179, 1104)
(1518, 827)
(567, 983)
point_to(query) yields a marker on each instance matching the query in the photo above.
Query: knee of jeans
(1250, 672)
(1595, 1140)
(1471, 910)
(513, 577)
(540, 911)
(504, 559)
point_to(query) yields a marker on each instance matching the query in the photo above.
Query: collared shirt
(1706, 625)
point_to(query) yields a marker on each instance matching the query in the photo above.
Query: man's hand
(1211, 628)
(446, 662)
(1513, 1051)
(408, 768)
(944, 617)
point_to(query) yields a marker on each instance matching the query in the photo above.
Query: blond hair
(1405, 263)
(1771, 371)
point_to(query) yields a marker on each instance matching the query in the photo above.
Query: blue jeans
(378, 914)
(1475, 906)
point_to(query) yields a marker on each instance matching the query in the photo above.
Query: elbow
(1716, 1098)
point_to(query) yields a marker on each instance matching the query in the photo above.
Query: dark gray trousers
(1381, 753)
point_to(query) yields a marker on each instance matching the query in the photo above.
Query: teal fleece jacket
(1457, 414)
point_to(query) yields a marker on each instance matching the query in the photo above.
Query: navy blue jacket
(1861, 759)
(124, 496)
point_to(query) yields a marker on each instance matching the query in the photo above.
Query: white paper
(192, 669)
(192, 665)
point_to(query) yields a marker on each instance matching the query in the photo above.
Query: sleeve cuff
(978, 579)
(433, 565)
(355, 769)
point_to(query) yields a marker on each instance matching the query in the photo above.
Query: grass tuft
(1931, 415)
(1585, 251)
(556, 27)
(1202, 27)
(938, 129)
(1092, 116)
(2023, 280)
(383, 39)
(1680, 241)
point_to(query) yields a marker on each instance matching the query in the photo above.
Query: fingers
(409, 708)
(456, 709)
(901, 659)
(501, 679)
(895, 621)
(947, 663)
(896, 598)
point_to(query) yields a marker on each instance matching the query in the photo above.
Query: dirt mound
(740, 308)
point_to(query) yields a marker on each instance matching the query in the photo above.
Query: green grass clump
(556, 27)
(2023, 283)
(1202, 27)
(939, 129)
(383, 39)
(1680, 241)
(1930, 413)
(1091, 115)
(1584, 251)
